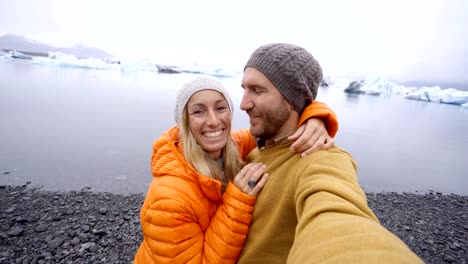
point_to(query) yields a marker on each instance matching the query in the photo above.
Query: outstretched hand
(253, 173)
(311, 137)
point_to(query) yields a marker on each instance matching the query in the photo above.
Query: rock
(83, 237)
(10, 210)
(449, 258)
(75, 241)
(454, 246)
(21, 220)
(41, 228)
(35, 260)
(57, 217)
(45, 254)
(99, 232)
(86, 188)
(85, 228)
(15, 231)
(55, 243)
(84, 247)
(93, 247)
(127, 217)
(114, 258)
(68, 212)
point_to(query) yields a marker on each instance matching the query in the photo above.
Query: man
(312, 209)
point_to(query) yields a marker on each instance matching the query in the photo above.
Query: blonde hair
(202, 162)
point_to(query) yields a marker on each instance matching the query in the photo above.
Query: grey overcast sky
(398, 39)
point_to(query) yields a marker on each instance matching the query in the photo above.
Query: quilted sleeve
(177, 228)
(229, 227)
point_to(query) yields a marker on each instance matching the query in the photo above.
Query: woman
(199, 205)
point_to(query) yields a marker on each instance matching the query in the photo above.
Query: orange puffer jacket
(184, 218)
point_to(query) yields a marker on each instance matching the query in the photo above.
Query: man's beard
(272, 119)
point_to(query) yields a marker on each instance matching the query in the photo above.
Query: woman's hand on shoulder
(311, 137)
(251, 178)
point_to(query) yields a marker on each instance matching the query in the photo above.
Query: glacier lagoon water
(67, 128)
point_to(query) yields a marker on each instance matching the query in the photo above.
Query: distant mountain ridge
(21, 43)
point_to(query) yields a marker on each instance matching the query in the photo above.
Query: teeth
(213, 134)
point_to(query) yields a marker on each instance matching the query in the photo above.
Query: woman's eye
(198, 112)
(222, 108)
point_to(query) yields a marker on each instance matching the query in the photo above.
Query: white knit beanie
(199, 83)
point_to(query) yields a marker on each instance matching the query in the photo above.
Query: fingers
(310, 137)
(256, 177)
(319, 143)
(253, 172)
(304, 134)
(323, 143)
(297, 133)
(311, 142)
(259, 185)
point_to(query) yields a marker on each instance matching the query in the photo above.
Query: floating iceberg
(65, 60)
(18, 55)
(137, 65)
(437, 95)
(198, 69)
(378, 86)
(5, 56)
(14, 55)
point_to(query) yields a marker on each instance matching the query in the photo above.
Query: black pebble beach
(87, 227)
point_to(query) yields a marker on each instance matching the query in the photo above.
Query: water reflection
(352, 98)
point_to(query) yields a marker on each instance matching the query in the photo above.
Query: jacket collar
(169, 149)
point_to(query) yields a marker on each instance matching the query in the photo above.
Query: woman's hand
(251, 178)
(310, 137)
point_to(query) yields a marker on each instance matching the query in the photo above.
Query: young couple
(204, 204)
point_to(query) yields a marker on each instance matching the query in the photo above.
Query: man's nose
(246, 103)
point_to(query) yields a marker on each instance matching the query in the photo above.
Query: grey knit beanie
(292, 69)
(199, 83)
